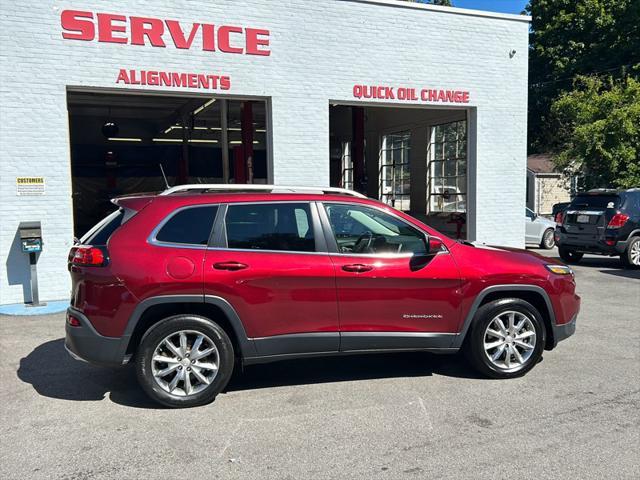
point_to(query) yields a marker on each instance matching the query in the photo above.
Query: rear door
(269, 261)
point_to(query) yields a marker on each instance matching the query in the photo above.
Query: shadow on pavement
(53, 373)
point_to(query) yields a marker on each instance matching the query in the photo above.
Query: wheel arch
(152, 310)
(532, 294)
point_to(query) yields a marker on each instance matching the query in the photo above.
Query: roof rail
(233, 187)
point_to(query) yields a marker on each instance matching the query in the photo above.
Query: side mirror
(434, 245)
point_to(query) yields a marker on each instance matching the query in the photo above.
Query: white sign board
(26, 186)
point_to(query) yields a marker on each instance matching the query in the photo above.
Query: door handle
(233, 266)
(357, 268)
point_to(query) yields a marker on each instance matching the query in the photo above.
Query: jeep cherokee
(189, 283)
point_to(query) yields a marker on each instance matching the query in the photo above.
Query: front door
(391, 295)
(267, 262)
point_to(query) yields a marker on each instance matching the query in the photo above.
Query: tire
(191, 389)
(533, 334)
(548, 242)
(631, 256)
(569, 256)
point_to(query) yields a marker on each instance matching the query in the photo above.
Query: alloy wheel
(634, 253)
(510, 340)
(185, 363)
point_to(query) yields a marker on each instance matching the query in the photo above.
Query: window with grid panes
(347, 166)
(394, 175)
(447, 181)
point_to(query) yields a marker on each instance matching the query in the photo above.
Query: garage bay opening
(414, 159)
(126, 143)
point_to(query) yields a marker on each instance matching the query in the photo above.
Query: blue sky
(504, 6)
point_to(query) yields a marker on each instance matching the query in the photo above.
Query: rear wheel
(184, 361)
(569, 256)
(506, 339)
(631, 256)
(548, 241)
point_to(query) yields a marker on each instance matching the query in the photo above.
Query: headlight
(559, 269)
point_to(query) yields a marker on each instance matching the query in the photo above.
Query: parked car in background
(603, 222)
(192, 282)
(539, 230)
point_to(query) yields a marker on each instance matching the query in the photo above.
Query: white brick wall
(319, 51)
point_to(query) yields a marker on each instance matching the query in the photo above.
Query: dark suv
(189, 283)
(604, 222)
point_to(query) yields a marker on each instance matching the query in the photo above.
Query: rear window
(190, 226)
(100, 234)
(596, 201)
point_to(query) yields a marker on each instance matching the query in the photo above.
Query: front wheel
(569, 256)
(631, 256)
(548, 241)
(184, 361)
(506, 339)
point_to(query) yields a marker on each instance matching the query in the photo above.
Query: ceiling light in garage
(199, 109)
(124, 139)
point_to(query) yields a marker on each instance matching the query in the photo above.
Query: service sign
(410, 94)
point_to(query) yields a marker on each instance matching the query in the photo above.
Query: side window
(190, 226)
(365, 230)
(270, 226)
(529, 213)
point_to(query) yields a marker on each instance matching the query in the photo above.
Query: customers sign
(157, 32)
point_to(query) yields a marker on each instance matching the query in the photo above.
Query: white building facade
(407, 68)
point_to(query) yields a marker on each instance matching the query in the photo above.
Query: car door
(532, 229)
(269, 261)
(391, 295)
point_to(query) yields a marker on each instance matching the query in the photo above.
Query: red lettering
(192, 80)
(71, 22)
(203, 81)
(152, 78)
(106, 28)
(177, 35)
(225, 83)
(152, 28)
(208, 38)
(255, 40)
(224, 41)
(123, 77)
(165, 79)
(449, 96)
(134, 81)
(465, 97)
(433, 95)
(441, 96)
(179, 79)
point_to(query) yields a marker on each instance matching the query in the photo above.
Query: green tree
(598, 131)
(576, 37)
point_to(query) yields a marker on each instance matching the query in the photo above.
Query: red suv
(189, 283)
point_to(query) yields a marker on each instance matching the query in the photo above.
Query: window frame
(432, 161)
(219, 241)
(152, 239)
(333, 244)
(405, 165)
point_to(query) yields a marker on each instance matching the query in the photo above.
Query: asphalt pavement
(392, 416)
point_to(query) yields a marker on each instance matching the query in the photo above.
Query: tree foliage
(576, 37)
(598, 131)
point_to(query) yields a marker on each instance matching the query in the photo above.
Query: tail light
(618, 220)
(559, 218)
(88, 256)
